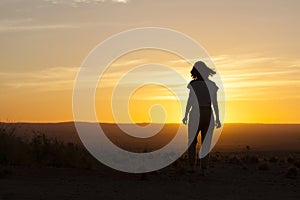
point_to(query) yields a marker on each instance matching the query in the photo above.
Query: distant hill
(262, 137)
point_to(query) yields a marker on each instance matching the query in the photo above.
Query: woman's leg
(192, 150)
(193, 130)
(204, 161)
(206, 128)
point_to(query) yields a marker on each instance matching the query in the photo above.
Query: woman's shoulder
(189, 85)
(211, 85)
(208, 83)
(192, 83)
(200, 82)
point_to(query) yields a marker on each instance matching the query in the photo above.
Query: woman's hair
(201, 70)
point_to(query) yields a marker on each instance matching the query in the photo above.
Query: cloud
(244, 77)
(15, 25)
(77, 3)
(257, 77)
(28, 24)
(121, 1)
(51, 79)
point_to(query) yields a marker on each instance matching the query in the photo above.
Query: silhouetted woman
(203, 93)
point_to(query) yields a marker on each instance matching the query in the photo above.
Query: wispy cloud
(256, 77)
(247, 77)
(77, 3)
(51, 79)
(29, 24)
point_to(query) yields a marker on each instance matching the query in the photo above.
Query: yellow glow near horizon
(252, 95)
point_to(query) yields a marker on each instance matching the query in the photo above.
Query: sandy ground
(227, 178)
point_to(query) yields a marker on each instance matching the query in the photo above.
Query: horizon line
(65, 122)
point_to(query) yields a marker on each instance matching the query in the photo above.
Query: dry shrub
(264, 166)
(292, 172)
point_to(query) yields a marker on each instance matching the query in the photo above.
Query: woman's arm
(216, 109)
(187, 109)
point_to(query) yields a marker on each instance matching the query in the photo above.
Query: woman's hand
(218, 123)
(184, 120)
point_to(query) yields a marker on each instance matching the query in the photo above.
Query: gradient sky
(254, 44)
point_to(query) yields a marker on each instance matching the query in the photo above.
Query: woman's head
(200, 71)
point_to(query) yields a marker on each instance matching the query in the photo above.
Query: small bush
(292, 173)
(180, 167)
(264, 166)
(42, 151)
(216, 157)
(13, 151)
(235, 160)
(251, 159)
(274, 159)
(297, 163)
(290, 159)
(4, 173)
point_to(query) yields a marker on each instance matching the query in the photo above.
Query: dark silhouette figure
(203, 93)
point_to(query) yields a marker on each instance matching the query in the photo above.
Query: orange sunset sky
(255, 46)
